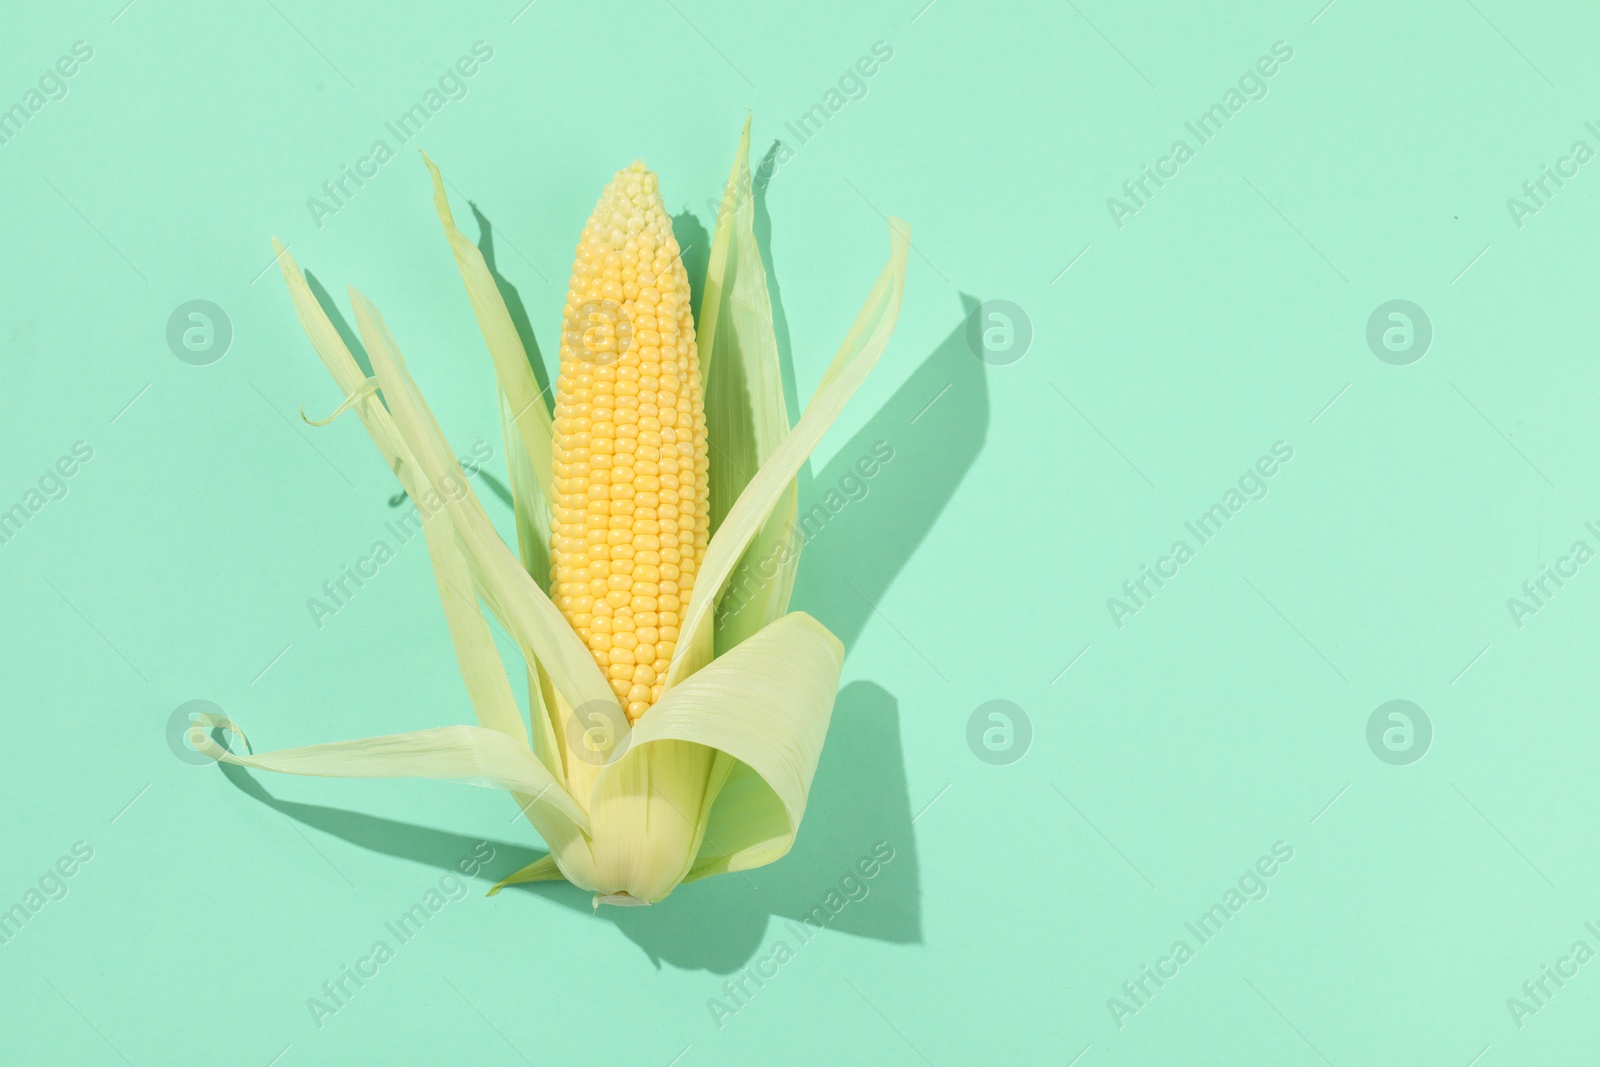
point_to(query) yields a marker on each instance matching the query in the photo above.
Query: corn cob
(632, 507)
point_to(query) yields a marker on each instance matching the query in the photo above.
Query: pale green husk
(745, 413)
(715, 776)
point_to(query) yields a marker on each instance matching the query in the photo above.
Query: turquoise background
(1228, 714)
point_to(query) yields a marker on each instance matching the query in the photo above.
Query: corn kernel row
(632, 508)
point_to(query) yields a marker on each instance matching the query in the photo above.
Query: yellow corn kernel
(633, 506)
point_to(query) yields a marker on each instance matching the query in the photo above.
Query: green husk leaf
(470, 754)
(528, 409)
(528, 505)
(548, 743)
(476, 655)
(766, 704)
(537, 625)
(543, 869)
(746, 418)
(368, 387)
(862, 346)
(648, 811)
(749, 827)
